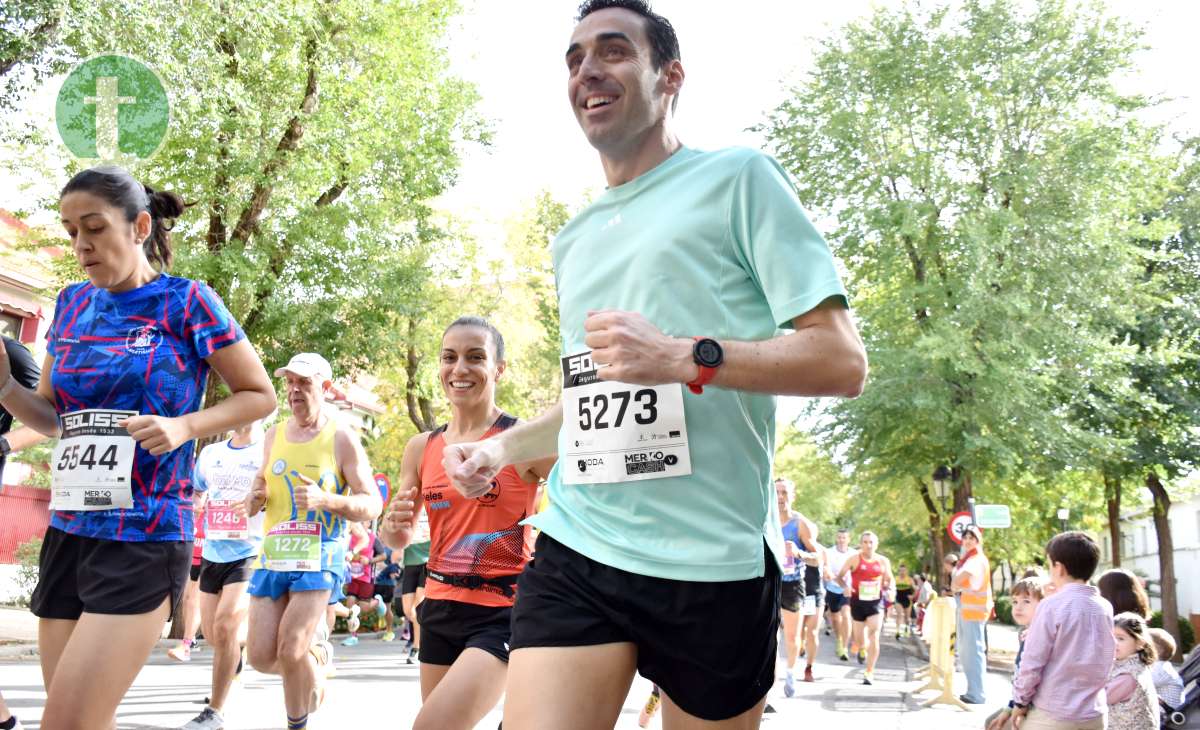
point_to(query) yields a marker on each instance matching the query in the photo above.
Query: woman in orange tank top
(478, 546)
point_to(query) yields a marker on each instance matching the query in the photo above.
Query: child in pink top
(1132, 699)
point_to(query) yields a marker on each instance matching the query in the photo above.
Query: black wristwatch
(709, 356)
(5, 446)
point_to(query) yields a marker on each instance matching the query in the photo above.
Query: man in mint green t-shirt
(691, 293)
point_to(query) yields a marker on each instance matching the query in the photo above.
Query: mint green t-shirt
(711, 244)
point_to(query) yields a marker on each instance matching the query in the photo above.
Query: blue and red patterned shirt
(141, 350)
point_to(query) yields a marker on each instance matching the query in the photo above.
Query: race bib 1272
(616, 432)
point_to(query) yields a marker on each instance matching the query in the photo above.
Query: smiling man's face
(615, 92)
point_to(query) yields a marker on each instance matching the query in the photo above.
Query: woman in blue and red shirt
(129, 352)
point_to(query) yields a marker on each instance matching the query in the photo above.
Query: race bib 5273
(616, 432)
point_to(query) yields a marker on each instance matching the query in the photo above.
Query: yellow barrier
(941, 620)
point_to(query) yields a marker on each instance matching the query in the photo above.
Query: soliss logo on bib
(617, 432)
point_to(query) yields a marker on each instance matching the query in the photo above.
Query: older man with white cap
(314, 480)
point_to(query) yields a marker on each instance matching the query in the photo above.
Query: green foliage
(27, 555)
(987, 183)
(310, 137)
(36, 457)
(1004, 610)
(1187, 634)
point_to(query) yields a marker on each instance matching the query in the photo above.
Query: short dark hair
(483, 324)
(1077, 552)
(1033, 587)
(664, 44)
(119, 189)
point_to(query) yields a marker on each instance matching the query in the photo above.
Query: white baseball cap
(307, 365)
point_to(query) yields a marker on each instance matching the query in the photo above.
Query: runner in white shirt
(222, 478)
(836, 600)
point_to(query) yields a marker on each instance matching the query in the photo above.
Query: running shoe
(413, 656)
(867, 678)
(380, 606)
(649, 710)
(181, 652)
(388, 636)
(322, 651)
(808, 675)
(208, 719)
(843, 655)
(352, 640)
(352, 621)
(862, 656)
(789, 685)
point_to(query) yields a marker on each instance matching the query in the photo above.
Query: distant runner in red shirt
(478, 546)
(870, 579)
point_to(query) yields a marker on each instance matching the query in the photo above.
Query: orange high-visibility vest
(977, 605)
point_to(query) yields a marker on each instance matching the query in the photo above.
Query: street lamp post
(1064, 514)
(941, 483)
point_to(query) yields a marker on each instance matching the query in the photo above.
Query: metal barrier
(941, 620)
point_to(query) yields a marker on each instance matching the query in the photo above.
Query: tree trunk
(962, 489)
(1166, 555)
(420, 409)
(1112, 495)
(935, 532)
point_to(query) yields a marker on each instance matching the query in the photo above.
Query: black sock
(9, 724)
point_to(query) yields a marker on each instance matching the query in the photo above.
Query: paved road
(373, 684)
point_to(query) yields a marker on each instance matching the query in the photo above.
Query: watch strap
(705, 376)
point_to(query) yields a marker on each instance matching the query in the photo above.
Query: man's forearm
(534, 439)
(23, 438)
(812, 362)
(32, 410)
(354, 507)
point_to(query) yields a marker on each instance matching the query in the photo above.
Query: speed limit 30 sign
(958, 525)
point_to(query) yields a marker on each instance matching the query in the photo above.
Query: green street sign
(993, 516)
(112, 108)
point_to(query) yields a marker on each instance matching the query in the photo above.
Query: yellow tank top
(315, 460)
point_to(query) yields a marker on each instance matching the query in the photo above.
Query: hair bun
(164, 205)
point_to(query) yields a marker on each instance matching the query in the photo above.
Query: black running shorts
(835, 601)
(448, 628)
(412, 578)
(386, 591)
(904, 597)
(88, 574)
(215, 576)
(790, 594)
(709, 646)
(863, 610)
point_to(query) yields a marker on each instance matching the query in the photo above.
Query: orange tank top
(476, 540)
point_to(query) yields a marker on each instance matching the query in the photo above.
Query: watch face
(708, 353)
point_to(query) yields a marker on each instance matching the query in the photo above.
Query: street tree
(984, 180)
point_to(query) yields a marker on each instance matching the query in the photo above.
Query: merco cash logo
(112, 108)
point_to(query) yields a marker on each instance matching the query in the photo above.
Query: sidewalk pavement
(372, 678)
